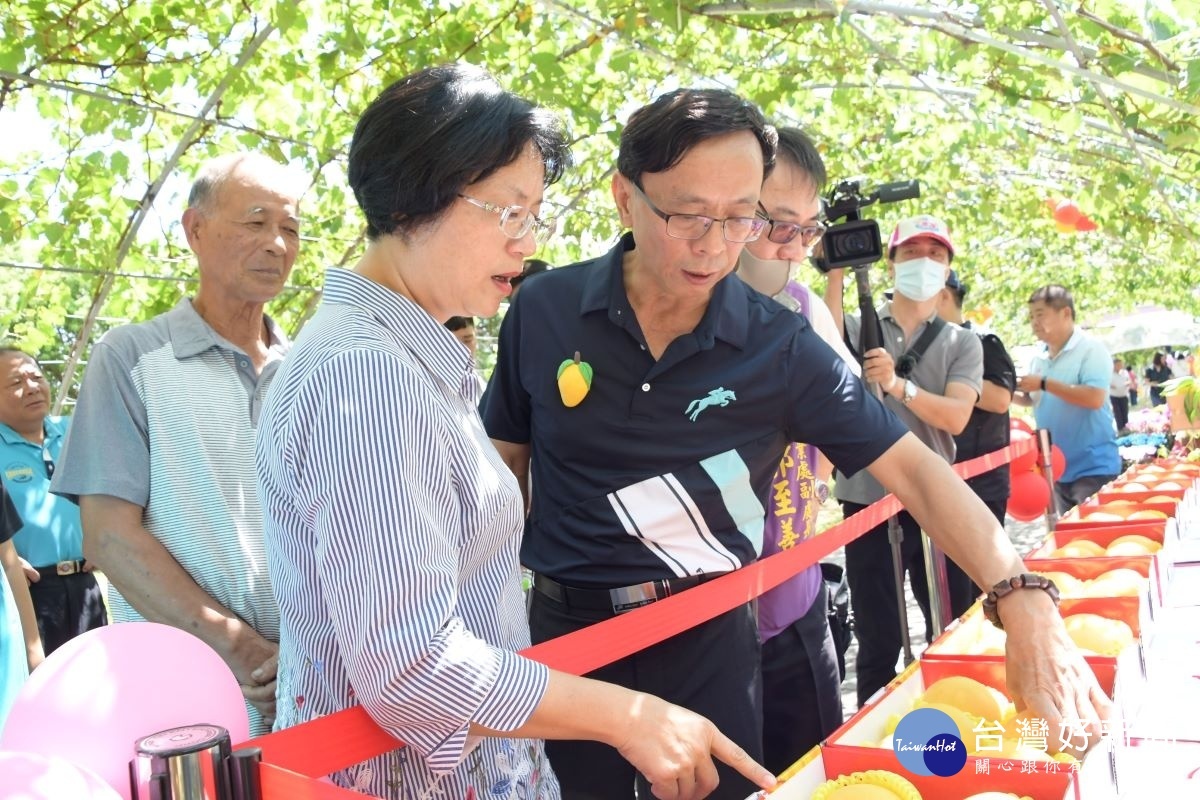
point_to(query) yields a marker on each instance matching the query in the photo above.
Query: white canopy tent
(1148, 328)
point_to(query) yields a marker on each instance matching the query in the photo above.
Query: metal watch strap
(1026, 580)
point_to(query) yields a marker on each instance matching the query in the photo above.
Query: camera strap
(908, 362)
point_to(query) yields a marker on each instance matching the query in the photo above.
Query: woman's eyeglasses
(517, 221)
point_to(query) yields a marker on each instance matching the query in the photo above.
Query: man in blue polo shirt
(1067, 386)
(66, 597)
(654, 396)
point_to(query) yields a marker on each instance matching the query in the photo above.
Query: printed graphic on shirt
(720, 397)
(664, 516)
(19, 473)
(792, 504)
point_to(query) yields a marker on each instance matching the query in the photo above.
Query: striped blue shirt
(392, 528)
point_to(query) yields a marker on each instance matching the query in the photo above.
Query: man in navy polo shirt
(654, 397)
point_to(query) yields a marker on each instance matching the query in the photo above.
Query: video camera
(856, 241)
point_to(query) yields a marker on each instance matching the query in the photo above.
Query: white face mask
(766, 276)
(920, 279)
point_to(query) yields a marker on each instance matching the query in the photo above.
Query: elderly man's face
(246, 240)
(24, 392)
(717, 178)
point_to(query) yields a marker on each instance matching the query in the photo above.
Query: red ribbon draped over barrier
(292, 758)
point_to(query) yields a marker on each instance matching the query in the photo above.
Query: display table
(1152, 745)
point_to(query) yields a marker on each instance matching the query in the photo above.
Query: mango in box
(1120, 582)
(967, 694)
(997, 796)
(1105, 637)
(1132, 545)
(1079, 548)
(1068, 585)
(874, 784)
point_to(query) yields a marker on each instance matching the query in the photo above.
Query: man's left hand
(1048, 677)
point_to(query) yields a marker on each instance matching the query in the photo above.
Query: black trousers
(1120, 408)
(873, 597)
(802, 698)
(66, 606)
(712, 669)
(1072, 494)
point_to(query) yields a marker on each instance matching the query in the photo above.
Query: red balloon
(1058, 462)
(1067, 213)
(1030, 496)
(1027, 461)
(1018, 423)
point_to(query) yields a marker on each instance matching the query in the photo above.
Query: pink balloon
(29, 776)
(92, 698)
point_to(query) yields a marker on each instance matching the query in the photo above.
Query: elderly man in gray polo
(161, 450)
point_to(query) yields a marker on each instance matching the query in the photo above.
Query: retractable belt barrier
(293, 758)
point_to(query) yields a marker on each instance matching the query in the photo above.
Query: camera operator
(934, 398)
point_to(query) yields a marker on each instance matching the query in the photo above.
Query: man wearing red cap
(933, 394)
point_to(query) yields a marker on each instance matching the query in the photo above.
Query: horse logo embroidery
(717, 397)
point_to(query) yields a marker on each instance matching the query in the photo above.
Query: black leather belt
(619, 600)
(62, 569)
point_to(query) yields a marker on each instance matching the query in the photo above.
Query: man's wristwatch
(821, 490)
(910, 392)
(1026, 580)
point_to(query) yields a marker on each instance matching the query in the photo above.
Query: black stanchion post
(868, 338)
(245, 783)
(1045, 447)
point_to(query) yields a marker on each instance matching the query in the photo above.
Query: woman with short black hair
(392, 524)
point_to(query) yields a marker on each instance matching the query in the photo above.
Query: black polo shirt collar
(726, 318)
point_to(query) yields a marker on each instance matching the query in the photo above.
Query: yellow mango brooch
(574, 380)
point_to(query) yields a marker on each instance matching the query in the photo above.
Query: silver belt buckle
(65, 568)
(628, 598)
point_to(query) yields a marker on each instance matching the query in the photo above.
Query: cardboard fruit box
(1094, 513)
(1102, 534)
(801, 779)
(1115, 495)
(1088, 569)
(852, 747)
(965, 640)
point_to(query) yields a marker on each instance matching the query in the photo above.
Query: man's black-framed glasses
(693, 226)
(517, 221)
(781, 232)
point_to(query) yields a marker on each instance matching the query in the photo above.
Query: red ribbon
(292, 757)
